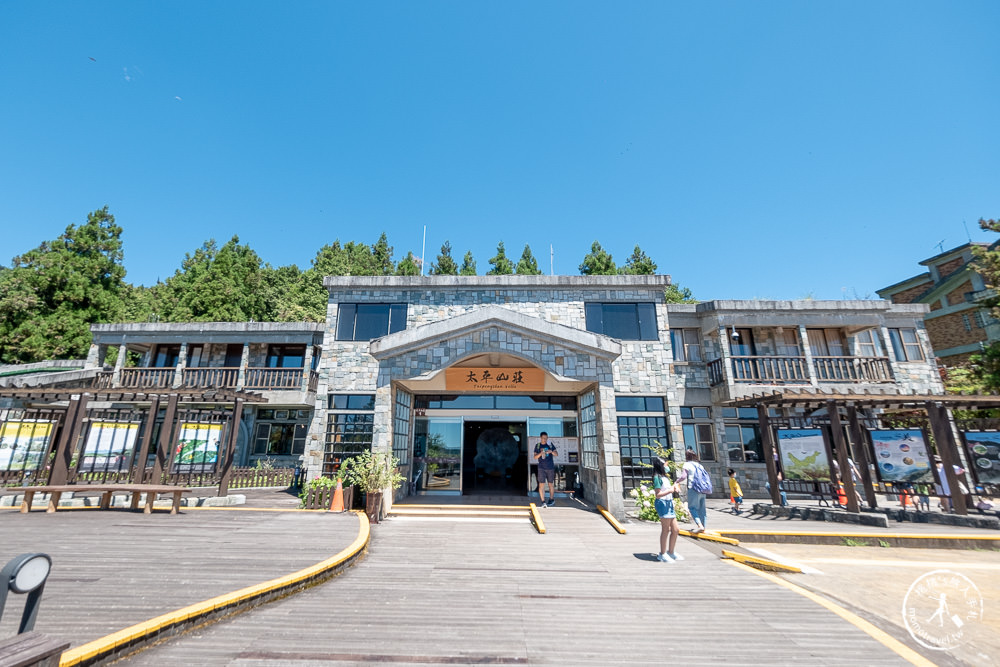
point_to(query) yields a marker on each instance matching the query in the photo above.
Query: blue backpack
(700, 481)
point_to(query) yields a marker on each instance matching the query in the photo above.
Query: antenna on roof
(967, 234)
(940, 245)
(552, 261)
(423, 250)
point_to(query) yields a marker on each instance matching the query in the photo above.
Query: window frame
(901, 349)
(347, 319)
(589, 450)
(698, 418)
(684, 341)
(646, 325)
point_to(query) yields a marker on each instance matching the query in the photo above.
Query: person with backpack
(664, 490)
(699, 486)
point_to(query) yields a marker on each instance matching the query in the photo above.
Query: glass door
(437, 455)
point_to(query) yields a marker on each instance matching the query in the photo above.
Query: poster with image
(197, 447)
(901, 456)
(803, 454)
(23, 444)
(983, 450)
(567, 450)
(109, 446)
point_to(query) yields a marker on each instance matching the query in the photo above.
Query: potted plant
(372, 473)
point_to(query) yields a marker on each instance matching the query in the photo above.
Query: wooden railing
(852, 369)
(221, 377)
(273, 378)
(146, 378)
(321, 497)
(768, 370)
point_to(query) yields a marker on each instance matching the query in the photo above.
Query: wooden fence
(320, 498)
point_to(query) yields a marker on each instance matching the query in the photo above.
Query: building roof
(499, 282)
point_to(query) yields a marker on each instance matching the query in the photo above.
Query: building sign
(803, 454)
(901, 455)
(494, 379)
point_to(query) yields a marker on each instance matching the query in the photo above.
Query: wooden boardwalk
(112, 568)
(469, 592)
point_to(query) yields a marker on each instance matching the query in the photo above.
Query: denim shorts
(665, 508)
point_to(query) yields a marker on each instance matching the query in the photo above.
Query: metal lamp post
(25, 574)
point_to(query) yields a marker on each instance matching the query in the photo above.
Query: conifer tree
(409, 266)
(528, 265)
(382, 254)
(444, 265)
(638, 264)
(502, 266)
(468, 265)
(598, 262)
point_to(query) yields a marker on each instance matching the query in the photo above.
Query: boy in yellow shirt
(735, 492)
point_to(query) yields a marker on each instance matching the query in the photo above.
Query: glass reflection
(437, 455)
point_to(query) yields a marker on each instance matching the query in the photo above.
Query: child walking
(735, 492)
(664, 490)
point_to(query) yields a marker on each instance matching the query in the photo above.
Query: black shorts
(546, 475)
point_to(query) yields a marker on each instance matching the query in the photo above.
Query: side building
(958, 323)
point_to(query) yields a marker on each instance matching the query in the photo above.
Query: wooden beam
(948, 452)
(767, 441)
(840, 445)
(230, 452)
(861, 450)
(68, 438)
(147, 439)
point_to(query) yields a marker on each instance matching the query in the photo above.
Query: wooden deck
(115, 568)
(468, 592)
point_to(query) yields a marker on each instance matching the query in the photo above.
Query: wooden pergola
(937, 407)
(77, 401)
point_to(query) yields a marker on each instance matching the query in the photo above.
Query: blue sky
(753, 149)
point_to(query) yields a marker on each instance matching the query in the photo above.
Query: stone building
(459, 376)
(958, 324)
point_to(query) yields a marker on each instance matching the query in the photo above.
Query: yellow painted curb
(132, 634)
(536, 518)
(908, 536)
(710, 537)
(755, 561)
(882, 637)
(610, 519)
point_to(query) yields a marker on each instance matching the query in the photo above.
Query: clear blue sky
(753, 149)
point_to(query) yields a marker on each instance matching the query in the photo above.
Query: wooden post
(948, 451)
(767, 442)
(840, 444)
(67, 439)
(230, 452)
(166, 440)
(147, 439)
(861, 451)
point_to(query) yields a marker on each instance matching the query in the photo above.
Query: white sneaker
(676, 556)
(664, 558)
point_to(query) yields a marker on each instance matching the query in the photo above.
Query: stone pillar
(726, 353)
(116, 376)
(241, 376)
(307, 367)
(807, 353)
(181, 365)
(95, 356)
(609, 450)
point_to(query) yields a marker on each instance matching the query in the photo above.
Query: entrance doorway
(495, 457)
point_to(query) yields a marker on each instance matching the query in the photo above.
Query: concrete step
(458, 512)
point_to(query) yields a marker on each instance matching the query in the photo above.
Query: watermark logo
(938, 608)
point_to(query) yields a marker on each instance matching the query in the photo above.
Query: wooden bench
(106, 490)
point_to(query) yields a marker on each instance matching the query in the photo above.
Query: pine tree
(638, 264)
(382, 254)
(445, 265)
(468, 265)
(674, 293)
(408, 266)
(52, 294)
(527, 265)
(502, 266)
(598, 262)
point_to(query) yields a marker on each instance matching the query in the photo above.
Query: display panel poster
(23, 444)
(567, 450)
(901, 455)
(983, 449)
(803, 454)
(109, 446)
(197, 447)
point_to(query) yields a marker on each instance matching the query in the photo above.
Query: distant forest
(50, 295)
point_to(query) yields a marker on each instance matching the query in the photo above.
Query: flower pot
(373, 506)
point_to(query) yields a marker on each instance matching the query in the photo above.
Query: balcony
(255, 379)
(794, 370)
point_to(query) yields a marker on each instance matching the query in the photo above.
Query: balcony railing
(203, 378)
(794, 370)
(273, 378)
(853, 369)
(146, 378)
(769, 370)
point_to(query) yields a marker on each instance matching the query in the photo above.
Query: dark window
(234, 355)
(197, 356)
(166, 356)
(280, 439)
(347, 435)
(696, 413)
(365, 321)
(743, 443)
(624, 321)
(285, 356)
(739, 413)
(493, 402)
(639, 403)
(635, 436)
(742, 343)
(351, 401)
(905, 345)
